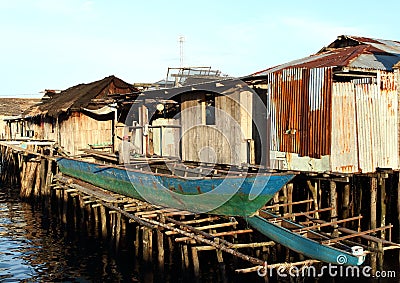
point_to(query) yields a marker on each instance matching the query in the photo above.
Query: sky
(56, 44)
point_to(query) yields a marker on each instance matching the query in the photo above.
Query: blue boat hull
(231, 195)
(303, 245)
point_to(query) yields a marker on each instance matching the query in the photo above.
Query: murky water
(34, 248)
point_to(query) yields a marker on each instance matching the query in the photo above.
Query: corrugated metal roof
(347, 51)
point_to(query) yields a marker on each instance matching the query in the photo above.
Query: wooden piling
(333, 203)
(290, 197)
(196, 263)
(160, 244)
(65, 206)
(118, 231)
(346, 201)
(103, 216)
(373, 191)
(382, 186)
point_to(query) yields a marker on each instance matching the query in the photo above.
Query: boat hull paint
(303, 245)
(236, 196)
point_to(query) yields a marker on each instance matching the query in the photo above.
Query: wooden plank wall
(80, 130)
(224, 142)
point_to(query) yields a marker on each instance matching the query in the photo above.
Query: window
(210, 109)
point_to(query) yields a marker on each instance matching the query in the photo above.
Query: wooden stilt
(43, 178)
(382, 186)
(185, 257)
(171, 250)
(146, 244)
(314, 193)
(290, 197)
(117, 230)
(346, 201)
(103, 214)
(285, 198)
(221, 266)
(333, 203)
(160, 245)
(196, 264)
(373, 191)
(65, 206)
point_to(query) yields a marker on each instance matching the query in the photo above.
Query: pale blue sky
(56, 44)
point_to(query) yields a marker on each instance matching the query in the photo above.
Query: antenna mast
(181, 41)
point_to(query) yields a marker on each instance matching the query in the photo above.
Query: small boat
(310, 243)
(173, 184)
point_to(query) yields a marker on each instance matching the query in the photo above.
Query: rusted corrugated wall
(365, 127)
(300, 108)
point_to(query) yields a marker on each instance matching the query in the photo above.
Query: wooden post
(171, 250)
(276, 200)
(138, 243)
(314, 192)
(285, 198)
(160, 244)
(345, 202)
(103, 214)
(290, 197)
(373, 219)
(333, 202)
(382, 185)
(96, 219)
(43, 192)
(196, 263)
(118, 231)
(145, 243)
(185, 257)
(65, 206)
(221, 266)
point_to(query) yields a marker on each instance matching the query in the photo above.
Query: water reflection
(34, 248)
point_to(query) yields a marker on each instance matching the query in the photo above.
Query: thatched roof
(92, 95)
(16, 106)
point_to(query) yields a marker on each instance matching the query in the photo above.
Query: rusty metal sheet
(300, 110)
(365, 127)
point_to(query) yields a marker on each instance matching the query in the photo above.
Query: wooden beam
(335, 240)
(327, 224)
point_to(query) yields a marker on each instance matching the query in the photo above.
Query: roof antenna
(181, 41)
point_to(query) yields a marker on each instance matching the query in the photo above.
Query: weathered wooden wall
(79, 130)
(224, 142)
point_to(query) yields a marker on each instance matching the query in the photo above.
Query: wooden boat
(199, 190)
(310, 243)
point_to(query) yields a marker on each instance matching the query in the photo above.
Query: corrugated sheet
(364, 131)
(300, 108)
(344, 156)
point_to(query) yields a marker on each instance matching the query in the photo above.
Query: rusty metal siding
(377, 122)
(344, 151)
(300, 107)
(365, 126)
